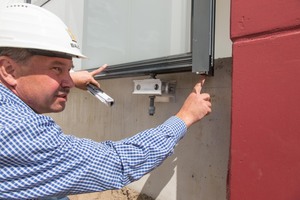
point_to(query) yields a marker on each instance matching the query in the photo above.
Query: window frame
(200, 60)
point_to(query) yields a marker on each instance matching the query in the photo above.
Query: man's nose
(67, 82)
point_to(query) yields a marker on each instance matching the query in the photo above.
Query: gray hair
(19, 55)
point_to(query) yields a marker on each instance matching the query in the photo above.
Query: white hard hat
(32, 27)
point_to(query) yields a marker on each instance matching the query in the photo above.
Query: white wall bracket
(158, 91)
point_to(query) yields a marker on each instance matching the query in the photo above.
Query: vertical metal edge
(202, 38)
(212, 35)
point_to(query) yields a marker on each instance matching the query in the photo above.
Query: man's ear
(7, 71)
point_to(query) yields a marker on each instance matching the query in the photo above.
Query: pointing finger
(199, 85)
(97, 71)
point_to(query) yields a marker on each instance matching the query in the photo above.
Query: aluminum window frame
(200, 60)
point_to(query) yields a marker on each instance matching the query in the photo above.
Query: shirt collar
(7, 95)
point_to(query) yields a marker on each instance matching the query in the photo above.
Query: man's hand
(196, 106)
(82, 78)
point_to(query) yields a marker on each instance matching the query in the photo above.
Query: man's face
(44, 82)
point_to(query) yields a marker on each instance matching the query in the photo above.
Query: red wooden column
(265, 137)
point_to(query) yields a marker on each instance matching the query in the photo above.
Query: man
(36, 159)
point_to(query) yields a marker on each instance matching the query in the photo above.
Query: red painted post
(265, 137)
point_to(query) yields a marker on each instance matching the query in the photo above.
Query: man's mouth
(63, 95)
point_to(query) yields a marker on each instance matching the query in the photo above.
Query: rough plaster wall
(198, 168)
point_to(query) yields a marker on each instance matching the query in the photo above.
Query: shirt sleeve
(39, 161)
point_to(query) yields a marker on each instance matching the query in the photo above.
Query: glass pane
(122, 31)
(7, 2)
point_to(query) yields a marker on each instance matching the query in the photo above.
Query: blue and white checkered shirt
(38, 160)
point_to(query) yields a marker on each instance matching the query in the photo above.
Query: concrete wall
(265, 147)
(198, 169)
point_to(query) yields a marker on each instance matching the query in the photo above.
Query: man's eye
(58, 69)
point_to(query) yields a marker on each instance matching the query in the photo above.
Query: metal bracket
(158, 91)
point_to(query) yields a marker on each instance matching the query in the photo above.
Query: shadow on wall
(198, 168)
(159, 179)
(200, 161)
